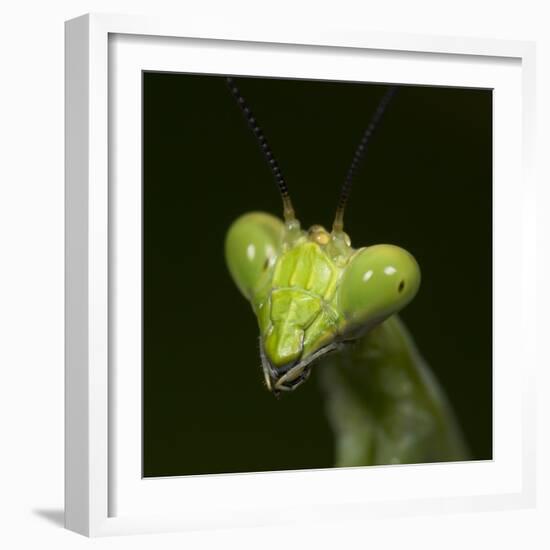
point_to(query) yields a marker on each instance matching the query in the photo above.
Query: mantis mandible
(322, 303)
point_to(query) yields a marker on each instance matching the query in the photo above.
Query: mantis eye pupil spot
(266, 264)
(401, 286)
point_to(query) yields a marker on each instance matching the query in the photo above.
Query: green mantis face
(311, 291)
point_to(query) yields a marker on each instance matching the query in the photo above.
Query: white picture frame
(105, 493)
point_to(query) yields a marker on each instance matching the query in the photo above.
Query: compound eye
(379, 281)
(251, 245)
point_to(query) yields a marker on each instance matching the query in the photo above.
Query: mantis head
(312, 293)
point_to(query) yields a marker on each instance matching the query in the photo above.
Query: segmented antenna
(338, 225)
(288, 210)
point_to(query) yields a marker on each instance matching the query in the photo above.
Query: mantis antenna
(288, 210)
(338, 225)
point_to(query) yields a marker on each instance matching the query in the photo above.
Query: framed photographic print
(289, 275)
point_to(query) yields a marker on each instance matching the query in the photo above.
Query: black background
(426, 185)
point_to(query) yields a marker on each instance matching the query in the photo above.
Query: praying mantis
(326, 307)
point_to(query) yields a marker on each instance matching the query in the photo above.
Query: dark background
(425, 185)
